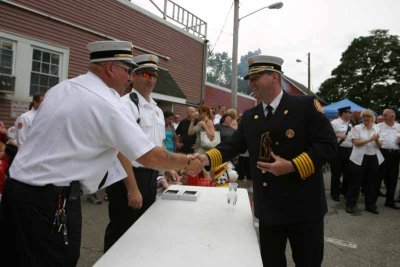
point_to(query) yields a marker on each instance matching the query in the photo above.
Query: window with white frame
(7, 79)
(45, 70)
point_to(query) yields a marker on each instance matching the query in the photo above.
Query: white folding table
(206, 232)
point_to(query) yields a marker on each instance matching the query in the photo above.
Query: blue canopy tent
(331, 110)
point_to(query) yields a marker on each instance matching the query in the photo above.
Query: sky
(323, 28)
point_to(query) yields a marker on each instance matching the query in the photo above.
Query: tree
(369, 73)
(243, 66)
(219, 69)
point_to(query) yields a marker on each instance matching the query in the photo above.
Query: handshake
(196, 163)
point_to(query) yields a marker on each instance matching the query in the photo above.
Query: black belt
(72, 191)
(389, 150)
(50, 188)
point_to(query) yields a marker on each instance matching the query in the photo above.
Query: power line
(226, 19)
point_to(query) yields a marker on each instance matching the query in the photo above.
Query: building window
(7, 79)
(45, 70)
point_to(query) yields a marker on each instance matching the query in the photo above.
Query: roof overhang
(167, 89)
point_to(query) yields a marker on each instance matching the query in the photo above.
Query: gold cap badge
(255, 117)
(289, 133)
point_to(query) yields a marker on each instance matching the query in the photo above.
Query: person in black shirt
(224, 127)
(186, 141)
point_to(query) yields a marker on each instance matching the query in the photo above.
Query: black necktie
(269, 110)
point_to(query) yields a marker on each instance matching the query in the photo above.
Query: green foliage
(242, 70)
(369, 73)
(219, 69)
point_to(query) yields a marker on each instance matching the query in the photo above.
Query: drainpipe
(204, 78)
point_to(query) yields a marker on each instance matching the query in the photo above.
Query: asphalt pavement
(362, 239)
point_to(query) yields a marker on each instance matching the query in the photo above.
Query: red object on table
(199, 180)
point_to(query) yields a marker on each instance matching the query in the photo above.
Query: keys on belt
(60, 218)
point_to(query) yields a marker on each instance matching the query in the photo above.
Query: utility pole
(309, 71)
(235, 55)
(236, 20)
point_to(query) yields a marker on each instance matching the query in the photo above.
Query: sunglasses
(148, 75)
(125, 68)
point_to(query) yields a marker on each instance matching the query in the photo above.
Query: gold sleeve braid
(214, 157)
(304, 165)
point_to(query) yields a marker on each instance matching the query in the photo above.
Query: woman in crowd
(233, 114)
(365, 160)
(205, 124)
(170, 136)
(224, 127)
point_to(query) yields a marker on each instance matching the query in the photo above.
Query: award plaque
(265, 147)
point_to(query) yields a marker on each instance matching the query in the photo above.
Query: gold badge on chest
(289, 133)
(255, 117)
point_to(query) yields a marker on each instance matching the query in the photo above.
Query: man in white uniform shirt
(389, 169)
(24, 122)
(79, 129)
(218, 115)
(124, 210)
(340, 165)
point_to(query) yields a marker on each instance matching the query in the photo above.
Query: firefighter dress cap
(343, 110)
(146, 61)
(101, 51)
(261, 63)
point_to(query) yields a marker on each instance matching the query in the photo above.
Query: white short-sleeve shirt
(77, 132)
(389, 135)
(151, 121)
(23, 124)
(357, 154)
(340, 127)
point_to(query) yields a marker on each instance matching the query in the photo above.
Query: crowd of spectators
(368, 154)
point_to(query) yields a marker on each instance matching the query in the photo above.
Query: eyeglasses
(148, 75)
(125, 68)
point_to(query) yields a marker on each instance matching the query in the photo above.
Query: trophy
(265, 147)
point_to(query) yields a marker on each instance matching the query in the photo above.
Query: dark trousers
(366, 174)
(26, 223)
(306, 241)
(121, 216)
(389, 172)
(340, 166)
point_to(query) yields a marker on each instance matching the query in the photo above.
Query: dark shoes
(392, 206)
(372, 210)
(350, 209)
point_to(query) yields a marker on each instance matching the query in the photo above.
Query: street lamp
(309, 69)
(236, 20)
